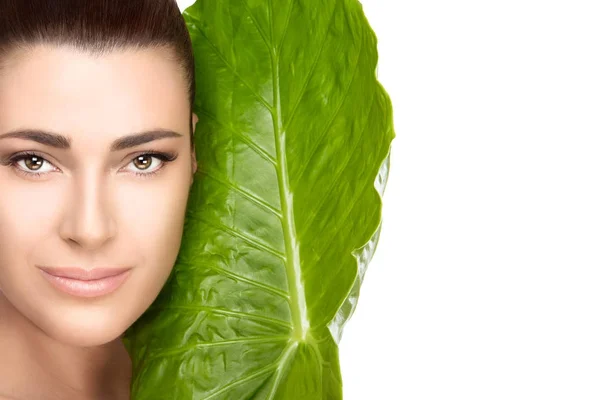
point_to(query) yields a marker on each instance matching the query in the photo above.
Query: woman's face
(89, 207)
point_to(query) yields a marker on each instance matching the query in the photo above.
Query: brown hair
(97, 27)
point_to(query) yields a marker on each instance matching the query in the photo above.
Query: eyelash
(164, 157)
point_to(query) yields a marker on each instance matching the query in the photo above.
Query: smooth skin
(88, 209)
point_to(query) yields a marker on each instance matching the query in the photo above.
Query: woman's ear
(193, 152)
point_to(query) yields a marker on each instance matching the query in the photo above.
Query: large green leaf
(293, 147)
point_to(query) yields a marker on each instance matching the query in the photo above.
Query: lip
(83, 283)
(84, 274)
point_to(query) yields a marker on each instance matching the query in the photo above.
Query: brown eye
(143, 161)
(33, 162)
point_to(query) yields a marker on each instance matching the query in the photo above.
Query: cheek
(152, 219)
(26, 224)
(152, 229)
(27, 215)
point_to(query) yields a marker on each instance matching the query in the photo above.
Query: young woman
(96, 163)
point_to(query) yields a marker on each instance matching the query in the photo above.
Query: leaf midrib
(298, 306)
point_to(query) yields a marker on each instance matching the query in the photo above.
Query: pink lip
(83, 274)
(79, 282)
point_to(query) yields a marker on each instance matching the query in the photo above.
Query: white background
(486, 282)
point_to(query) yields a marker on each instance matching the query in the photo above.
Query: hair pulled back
(98, 27)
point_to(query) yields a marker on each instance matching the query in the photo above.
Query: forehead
(71, 92)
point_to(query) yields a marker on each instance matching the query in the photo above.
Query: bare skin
(88, 209)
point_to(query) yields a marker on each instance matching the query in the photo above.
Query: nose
(88, 221)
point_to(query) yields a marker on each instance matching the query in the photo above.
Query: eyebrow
(63, 142)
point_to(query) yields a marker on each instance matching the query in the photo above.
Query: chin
(85, 327)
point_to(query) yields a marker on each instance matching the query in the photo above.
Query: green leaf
(293, 146)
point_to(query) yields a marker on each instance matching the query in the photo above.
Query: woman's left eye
(145, 162)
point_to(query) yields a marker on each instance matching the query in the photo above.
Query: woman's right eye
(31, 164)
